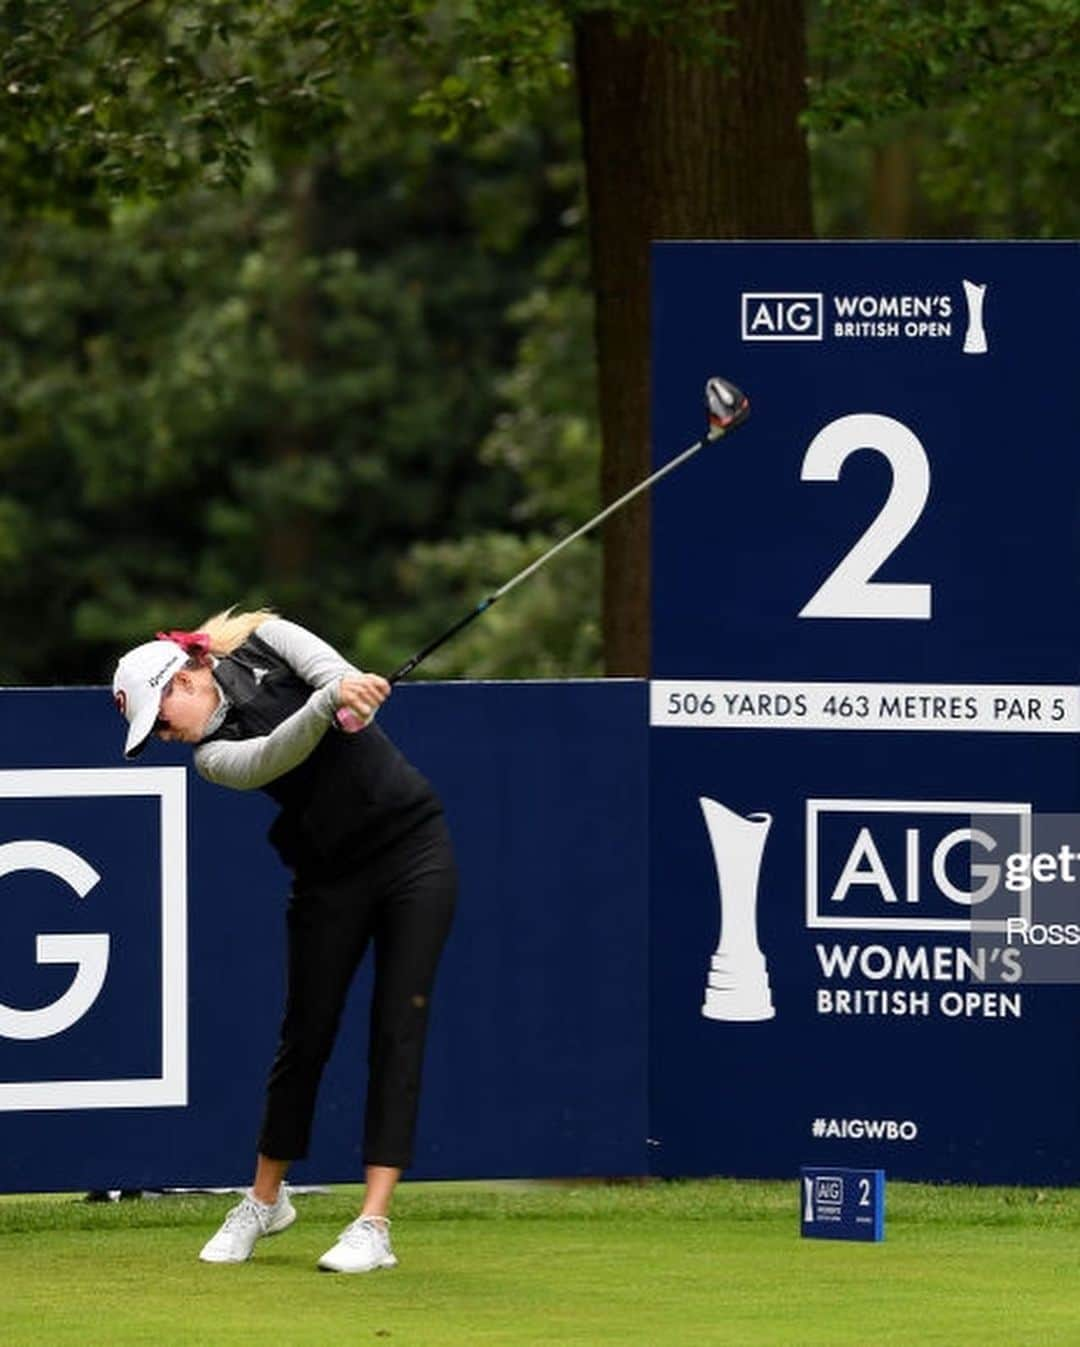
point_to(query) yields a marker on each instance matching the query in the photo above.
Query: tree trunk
(290, 540)
(892, 191)
(676, 146)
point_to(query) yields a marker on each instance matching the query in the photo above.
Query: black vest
(354, 795)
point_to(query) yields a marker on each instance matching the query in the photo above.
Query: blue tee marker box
(840, 1203)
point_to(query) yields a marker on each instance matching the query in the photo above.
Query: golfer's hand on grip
(362, 694)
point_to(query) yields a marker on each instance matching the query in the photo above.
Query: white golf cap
(140, 679)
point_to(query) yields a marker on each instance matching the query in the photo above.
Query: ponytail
(229, 629)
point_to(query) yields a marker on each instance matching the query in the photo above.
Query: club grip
(348, 721)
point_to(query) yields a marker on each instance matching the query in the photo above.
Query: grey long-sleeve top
(247, 764)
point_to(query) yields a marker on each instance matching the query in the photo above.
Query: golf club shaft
(410, 664)
(598, 519)
(485, 604)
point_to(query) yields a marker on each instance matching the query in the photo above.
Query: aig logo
(911, 865)
(93, 968)
(783, 316)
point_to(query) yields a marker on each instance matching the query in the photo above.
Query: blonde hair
(229, 629)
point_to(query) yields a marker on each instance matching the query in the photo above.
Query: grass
(713, 1262)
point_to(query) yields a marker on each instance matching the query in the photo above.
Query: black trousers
(402, 904)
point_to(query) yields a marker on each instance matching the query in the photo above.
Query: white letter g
(89, 953)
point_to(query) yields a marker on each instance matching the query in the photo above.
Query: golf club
(728, 407)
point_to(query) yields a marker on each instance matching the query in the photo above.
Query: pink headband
(193, 642)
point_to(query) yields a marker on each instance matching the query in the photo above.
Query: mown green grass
(688, 1262)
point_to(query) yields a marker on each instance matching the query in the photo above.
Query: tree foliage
(279, 395)
(295, 302)
(108, 97)
(983, 92)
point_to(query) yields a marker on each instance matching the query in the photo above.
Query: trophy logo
(975, 337)
(738, 983)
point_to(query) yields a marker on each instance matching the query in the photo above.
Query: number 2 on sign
(850, 591)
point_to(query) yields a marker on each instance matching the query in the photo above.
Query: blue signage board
(839, 1203)
(755, 915)
(864, 607)
(142, 943)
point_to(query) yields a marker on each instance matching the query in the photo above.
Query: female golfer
(364, 836)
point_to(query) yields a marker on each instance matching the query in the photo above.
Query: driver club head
(728, 406)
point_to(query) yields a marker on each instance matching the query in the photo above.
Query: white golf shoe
(363, 1246)
(248, 1221)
